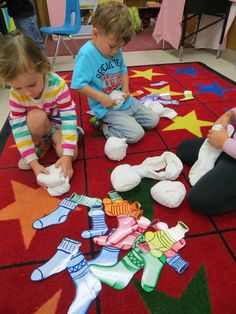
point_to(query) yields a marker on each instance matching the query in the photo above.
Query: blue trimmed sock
(58, 216)
(86, 284)
(108, 256)
(66, 249)
(98, 221)
(178, 263)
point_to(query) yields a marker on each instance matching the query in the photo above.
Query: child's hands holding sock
(54, 181)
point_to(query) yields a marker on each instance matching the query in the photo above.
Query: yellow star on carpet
(147, 74)
(29, 205)
(188, 122)
(51, 305)
(163, 90)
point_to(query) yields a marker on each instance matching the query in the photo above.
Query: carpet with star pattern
(207, 285)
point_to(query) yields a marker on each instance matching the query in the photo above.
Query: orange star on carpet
(29, 205)
(51, 305)
(147, 74)
(188, 122)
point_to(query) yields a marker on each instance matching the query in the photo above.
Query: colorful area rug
(207, 285)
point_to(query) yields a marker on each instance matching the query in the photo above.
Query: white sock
(206, 157)
(87, 286)
(115, 148)
(55, 181)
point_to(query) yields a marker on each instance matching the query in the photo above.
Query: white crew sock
(206, 157)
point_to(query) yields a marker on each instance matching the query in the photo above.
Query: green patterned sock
(85, 200)
(119, 275)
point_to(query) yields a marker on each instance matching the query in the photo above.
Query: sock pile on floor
(150, 245)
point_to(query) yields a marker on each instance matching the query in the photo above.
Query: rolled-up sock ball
(168, 193)
(115, 148)
(124, 178)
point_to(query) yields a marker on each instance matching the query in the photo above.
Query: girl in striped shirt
(40, 104)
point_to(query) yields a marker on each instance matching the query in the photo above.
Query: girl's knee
(38, 122)
(36, 116)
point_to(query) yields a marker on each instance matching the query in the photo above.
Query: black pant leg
(188, 150)
(215, 192)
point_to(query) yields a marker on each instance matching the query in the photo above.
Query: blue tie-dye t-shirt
(100, 73)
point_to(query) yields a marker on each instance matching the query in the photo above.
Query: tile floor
(222, 65)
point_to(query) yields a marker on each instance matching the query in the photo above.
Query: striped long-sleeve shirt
(57, 103)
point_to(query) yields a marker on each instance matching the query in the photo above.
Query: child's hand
(217, 138)
(37, 168)
(108, 102)
(126, 94)
(65, 162)
(225, 119)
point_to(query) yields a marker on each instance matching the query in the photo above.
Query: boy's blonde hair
(114, 18)
(18, 55)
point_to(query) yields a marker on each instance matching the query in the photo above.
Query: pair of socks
(69, 257)
(119, 275)
(165, 167)
(127, 232)
(65, 207)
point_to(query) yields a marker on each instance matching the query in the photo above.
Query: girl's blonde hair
(18, 55)
(114, 18)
